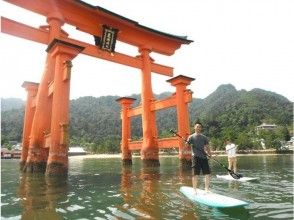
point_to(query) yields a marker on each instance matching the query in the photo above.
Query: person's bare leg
(207, 182)
(230, 166)
(195, 182)
(235, 165)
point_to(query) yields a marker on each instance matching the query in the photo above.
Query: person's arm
(188, 141)
(235, 149)
(230, 147)
(207, 150)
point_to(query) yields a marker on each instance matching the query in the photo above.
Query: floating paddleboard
(229, 177)
(211, 199)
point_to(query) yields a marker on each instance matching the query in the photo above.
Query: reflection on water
(233, 185)
(103, 189)
(149, 195)
(144, 201)
(40, 194)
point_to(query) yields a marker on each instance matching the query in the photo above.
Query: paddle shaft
(221, 164)
(231, 148)
(234, 175)
(175, 133)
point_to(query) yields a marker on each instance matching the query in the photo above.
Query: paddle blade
(235, 175)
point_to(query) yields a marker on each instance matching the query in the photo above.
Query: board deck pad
(211, 199)
(242, 179)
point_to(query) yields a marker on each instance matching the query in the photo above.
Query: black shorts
(200, 164)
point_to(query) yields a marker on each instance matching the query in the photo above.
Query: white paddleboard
(229, 177)
(211, 199)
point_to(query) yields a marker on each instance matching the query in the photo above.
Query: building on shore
(74, 151)
(267, 127)
(10, 154)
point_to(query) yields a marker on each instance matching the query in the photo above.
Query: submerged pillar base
(150, 162)
(127, 162)
(34, 167)
(22, 165)
(56, 169)
(185, 164)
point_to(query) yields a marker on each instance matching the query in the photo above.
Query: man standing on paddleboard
(200, 152)
(232, 157)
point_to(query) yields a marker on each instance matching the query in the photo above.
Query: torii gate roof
(89, 18)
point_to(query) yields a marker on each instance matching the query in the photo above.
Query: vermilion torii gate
(45, 133)
(180, 99)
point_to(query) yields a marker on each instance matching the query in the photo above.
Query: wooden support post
(37, 154)
(149, 150)
(63, 53)
(181, 82)
(125, 129)
(32, 89)
(40, 131)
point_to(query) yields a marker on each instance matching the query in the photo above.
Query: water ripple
(103, 189)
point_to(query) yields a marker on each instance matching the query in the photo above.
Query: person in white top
(231, 149)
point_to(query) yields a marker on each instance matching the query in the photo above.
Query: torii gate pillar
(181, 82)
(149, 150)
(62, 52)
(125, 129)
(32, 89)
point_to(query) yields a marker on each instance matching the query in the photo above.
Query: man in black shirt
(200, 152)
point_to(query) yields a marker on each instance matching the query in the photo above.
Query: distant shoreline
(96, 156)
(216, 153)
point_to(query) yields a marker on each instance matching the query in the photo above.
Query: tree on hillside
(227, 113)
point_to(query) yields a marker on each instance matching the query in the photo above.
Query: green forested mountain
(95, 122)
(235, 114)
(11, 125)
(11, 103)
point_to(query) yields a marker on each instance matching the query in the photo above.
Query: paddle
(231, 148)
(232, 173)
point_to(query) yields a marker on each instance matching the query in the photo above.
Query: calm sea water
(103, 189)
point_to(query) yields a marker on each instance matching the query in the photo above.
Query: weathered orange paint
(125, 129)
(181, 82)
(171, 142)
(149, 150)
(41, 125)
(37, 155)
(17, 29)
(62, 53)
(41, 35)
(161, 104)
(32, 89)
(88, 18)
(180, 99)
(49, 124)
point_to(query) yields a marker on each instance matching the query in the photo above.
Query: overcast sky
(249, 44)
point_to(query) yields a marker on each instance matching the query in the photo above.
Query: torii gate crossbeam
(42, 36)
